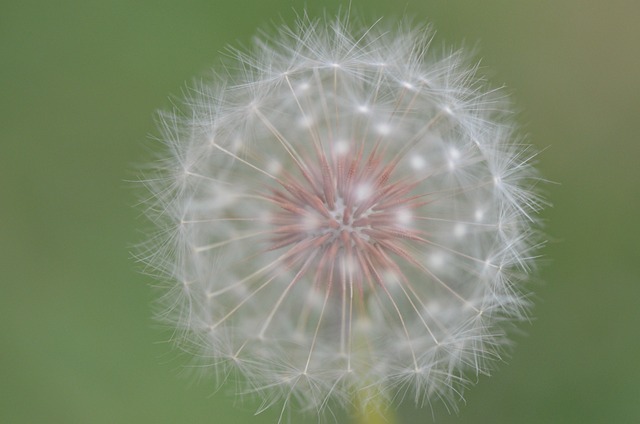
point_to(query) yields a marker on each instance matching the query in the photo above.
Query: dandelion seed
(345, 233)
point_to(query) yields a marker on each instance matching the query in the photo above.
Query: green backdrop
(80, 81)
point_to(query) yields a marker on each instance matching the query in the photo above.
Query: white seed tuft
(351, 212)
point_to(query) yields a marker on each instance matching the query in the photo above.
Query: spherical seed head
(349, 213)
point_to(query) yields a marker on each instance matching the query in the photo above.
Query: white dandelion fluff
(348, 215)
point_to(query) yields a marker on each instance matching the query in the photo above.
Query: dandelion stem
(367, 412)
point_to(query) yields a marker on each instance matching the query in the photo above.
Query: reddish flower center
(344, 218)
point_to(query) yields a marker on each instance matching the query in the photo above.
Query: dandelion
(348, 217)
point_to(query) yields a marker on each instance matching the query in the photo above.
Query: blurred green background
(80, 82)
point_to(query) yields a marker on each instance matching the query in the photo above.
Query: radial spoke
(252, 166)
(301, 272)
(216, 245)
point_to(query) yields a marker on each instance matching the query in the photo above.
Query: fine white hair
(348, 214)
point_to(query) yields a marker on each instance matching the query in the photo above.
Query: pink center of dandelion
(344, 218)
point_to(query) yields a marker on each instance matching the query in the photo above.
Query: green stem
(370, 407)
(372, 413)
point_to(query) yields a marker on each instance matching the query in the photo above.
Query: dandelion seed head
(351, 212)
